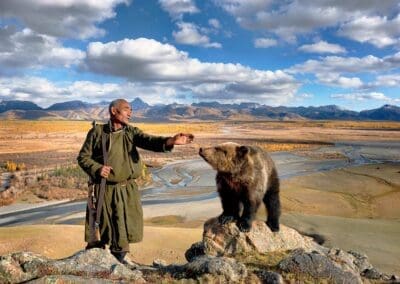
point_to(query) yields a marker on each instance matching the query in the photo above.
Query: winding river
(194, 180)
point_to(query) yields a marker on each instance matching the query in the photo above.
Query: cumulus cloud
(62, 18)
(365, 96)
(27, 49)
(44, 92)
(288, 19)
(335, 70)
(243, 7)
(339, 65)
(264, 42)
(147, 60)
(214, 23)
(392, 80)
(176, 8)
(190, 34)
(322, 47)
(340, 81)
(376, 30)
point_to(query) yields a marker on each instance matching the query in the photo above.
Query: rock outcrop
(228, 240)
(89, 264)
(225, 255)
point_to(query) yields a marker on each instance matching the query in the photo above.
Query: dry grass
(172, 128)
(279, 147)
(42, 129)
(37, 128)
(336, 124)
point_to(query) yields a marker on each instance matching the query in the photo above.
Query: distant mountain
(324, 112)
(78, 110)
(30, 114)
(138, 104)
(386, 112)
(71, 105)
(18, 105)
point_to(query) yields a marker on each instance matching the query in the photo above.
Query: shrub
(11, 166)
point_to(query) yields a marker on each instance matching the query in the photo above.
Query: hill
(79, 110)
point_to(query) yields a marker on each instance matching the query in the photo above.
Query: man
(121, 218)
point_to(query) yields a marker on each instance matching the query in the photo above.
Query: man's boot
(120, 255)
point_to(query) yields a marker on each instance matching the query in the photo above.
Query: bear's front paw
(225, 219)
(244, 226)
(274, 226)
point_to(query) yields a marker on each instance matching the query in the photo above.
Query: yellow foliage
(172, 128)
(11, 166)
(376, 125)
(40, 129)
(278, 147)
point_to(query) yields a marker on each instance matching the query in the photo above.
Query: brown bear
(246, 175)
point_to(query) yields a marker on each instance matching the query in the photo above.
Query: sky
(273, 52)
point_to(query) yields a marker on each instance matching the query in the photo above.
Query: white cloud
(190, 34)
(288, 19)
(376, 30)
(243, 7)
(35, 89)
(44, 92)
(322, 47)
(61, 18)
(27, 49)
(338, 65)
(335, 70)
(147, 60)
(392, 80)
(176, 8)
(264, 42)
(214, 23)
(340, 81)
(305, 96)
(364, 96)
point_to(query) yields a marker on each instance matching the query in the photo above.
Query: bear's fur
(246, 176)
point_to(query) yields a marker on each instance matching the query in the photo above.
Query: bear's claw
(244, 226)
(225, 219)
(273, 226)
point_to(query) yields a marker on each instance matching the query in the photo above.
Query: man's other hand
(182, 139)
(105, 171)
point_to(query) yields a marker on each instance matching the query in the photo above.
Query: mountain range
(79, 110)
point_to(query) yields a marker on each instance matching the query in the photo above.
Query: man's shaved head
(115, 103)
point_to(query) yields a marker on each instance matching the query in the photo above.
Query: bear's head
(227, 157)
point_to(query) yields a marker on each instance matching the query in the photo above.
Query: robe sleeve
(85, 157)
(150, 142)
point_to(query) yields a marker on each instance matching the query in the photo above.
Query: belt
(121, 183)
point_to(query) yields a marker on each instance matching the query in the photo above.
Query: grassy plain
(354, 208)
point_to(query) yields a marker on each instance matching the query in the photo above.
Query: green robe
(121, 220)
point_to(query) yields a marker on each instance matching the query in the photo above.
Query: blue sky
(293, 52)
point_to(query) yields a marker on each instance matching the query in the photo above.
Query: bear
(246, 176)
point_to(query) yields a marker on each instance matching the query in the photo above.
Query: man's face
(122, 113)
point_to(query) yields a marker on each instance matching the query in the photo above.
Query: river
(194, 180)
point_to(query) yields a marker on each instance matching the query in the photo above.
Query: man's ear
(113, 110)
(242, 151)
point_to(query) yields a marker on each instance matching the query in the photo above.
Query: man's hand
(105, 171)
(180, 139)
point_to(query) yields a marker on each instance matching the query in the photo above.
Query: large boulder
(228, 240)
(94, 263)
(229, 269)
(318, 266)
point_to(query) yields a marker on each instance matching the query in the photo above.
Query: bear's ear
(242, 151)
